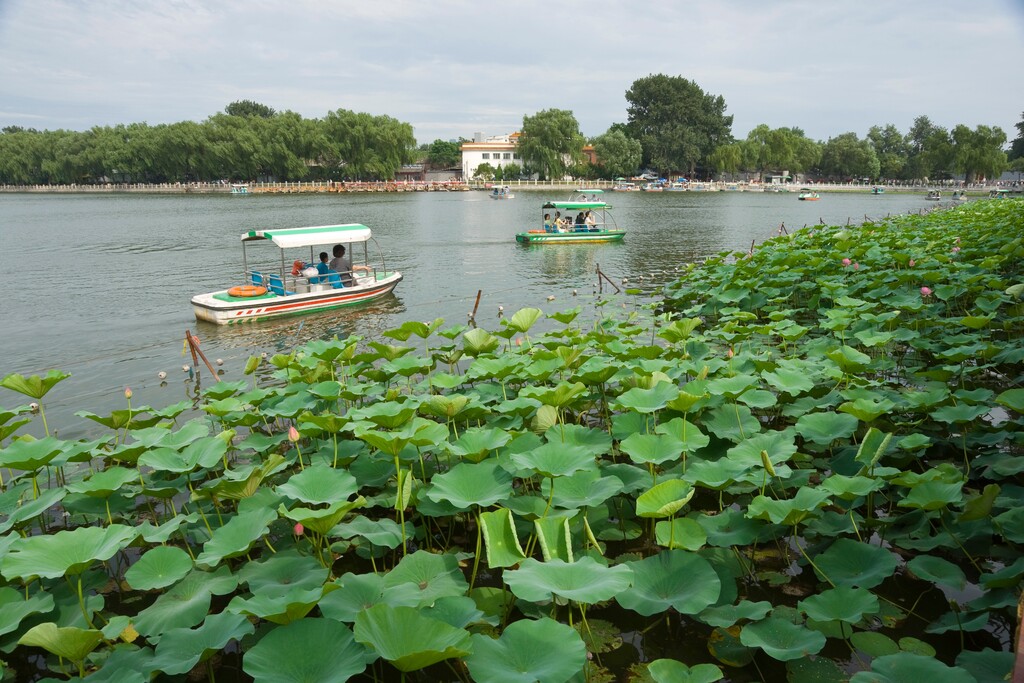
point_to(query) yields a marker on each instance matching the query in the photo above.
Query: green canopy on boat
(312, 236)
(576, 206)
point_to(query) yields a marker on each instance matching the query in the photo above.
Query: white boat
(808, 195)
(239, 188)
(502, 192)
(934, 196)
(275, 285)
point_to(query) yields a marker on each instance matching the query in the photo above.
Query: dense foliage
(248, 142)
(806, 468)
(550, 142)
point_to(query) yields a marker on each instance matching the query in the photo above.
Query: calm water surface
(99, 286)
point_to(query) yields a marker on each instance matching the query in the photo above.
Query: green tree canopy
(249, 109)
(890, 148)
(677, 123)
(444, 153)
(846, 156)
(779, 149)
(979, 152)
(617, 153)
(550, 142)
(1017, 146)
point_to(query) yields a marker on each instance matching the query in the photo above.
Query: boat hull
(570, 237)
(217, 308)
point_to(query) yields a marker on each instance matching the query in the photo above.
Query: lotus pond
(805, 466)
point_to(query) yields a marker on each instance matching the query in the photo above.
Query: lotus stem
(809, 560)
(476, 555)
(81, 603)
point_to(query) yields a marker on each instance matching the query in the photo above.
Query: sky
(454, 68)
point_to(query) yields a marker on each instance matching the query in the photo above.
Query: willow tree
(677, 123)
(368, 146)
(550, 142)
(617, 153)
(979, 152)
(781, 149)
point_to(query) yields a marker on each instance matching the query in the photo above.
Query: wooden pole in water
(193, 343)
(477, 304)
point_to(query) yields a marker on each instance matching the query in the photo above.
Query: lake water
(99, 285)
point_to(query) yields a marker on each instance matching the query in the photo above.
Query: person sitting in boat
(591, 221)
(581, 222)
(549, 225)
(343, 264)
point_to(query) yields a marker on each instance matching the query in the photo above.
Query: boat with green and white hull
(586, 219)
(281, 283)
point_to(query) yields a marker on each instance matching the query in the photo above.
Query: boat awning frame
(576, 206)
(287, 238)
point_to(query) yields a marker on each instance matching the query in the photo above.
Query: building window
(485, 155)
(515, 156)
(508, 155)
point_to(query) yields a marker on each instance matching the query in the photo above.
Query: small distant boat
(239, 188)
(601, 229)
(274, 290)
(808, 195)
(625, 187)
(958, 196)
(502, 192)
(999, 194)
(934, 196)
(652, 187)
(877, 190)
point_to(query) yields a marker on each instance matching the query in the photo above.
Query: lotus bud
(910, 263)
(251, 365)
(293, 434)
(299, 529)
(856, 266)
(519, 341)
(956, 249)
(128, 393)
(846, 262)
(926, 291)
(730, 353)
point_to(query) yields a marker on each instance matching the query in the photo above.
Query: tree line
(672, 127)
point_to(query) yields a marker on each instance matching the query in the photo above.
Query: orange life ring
(247, 290)
(533, 232)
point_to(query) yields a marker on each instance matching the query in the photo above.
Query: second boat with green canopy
(584, 218)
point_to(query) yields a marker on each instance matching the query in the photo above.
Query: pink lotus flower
(910, 263)
(856, 266)
(293, 434)
(730, 353)
(299, 529)
(956, 249)
(128, 393)
(847, 262)
(926, 291)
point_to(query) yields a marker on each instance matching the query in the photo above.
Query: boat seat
(334, 280)
(275, 285)
(257, 278)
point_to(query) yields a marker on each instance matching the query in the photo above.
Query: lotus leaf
(851, 488)
(319, 484)
(933, 495)
(826, 427)
(781, 639)
(651, 448)
(584, 581)
(33, 386)
(186, 604)
(70, 643)
(14, 607)
(671, 579)
(585, 488)
(904, 666)
(181, 649)
(65, 552)
(500, 538)
(790, 511)
(30, 508)
(435, 576)
(672, 671)
(815, 669)
(236, 536)
(849, 563)
(306, 651)
(874, 644)
(664, 499)
(31, 454)
(648, 400)
(365, 590)
(384, 532)
(158, 568)
(282, 572)
(987, 666)
(283, 605)
(724, 644)
(321, 520)
(479, 341)
(732, 422)
(725, 616)
(407, 639)
(938, 571)
(729, 528)
(524, 319)
(841, 604)
(554, 537)
(477, 442)
(467, 484)
(105, 482)
(555, 460)
(528, 651)
(684, 533)
(202, 453)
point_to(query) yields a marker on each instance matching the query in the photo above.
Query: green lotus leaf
(664, 499)
(866, 409)
(435, 576)
(555, 460)
(467, 484)
(320, 520)
(685, 401)
(559, 396)
(33, 386)
(815, 670)
(65, 552)
(850, 488)
(477, 442)
(29, 508)
(679, 330)
(159, 567)
(365, 590)
(724, 644)
(672, 671)
(281, 572)
(407, 639)
(31, 454)
(872, 447)
(597, 441)
(160, 534)
(726, 615)
(872, 338)
(236, 536)
(779, 445)
(585, 488)
(70, 643)
(731, 387)
(682, 533)
(732, 422)
(938, 571)
(181, 649)
(687, 433)
(202, 453)
(987, 666)
(479, 341)
(222, 390)
(781, 639)
(185, 604)
(319, 484)
(874, 644)
(651, 448)
(500, 538)
(671, 579)
(788, 380)
(281, 606)
(528, 651)
(1012, 399)
(648, 400)
(715, 474)
(904, 666)
(384, 532)
(524, 319)
(494, 368)
(385, 414)
(758, 398)
(408, 366)
(960, 413)
(104, 483)
(960, 623)
(584, 581)
(554, 537)
(729, 528)
(849, 563)
(14, 607)
(306, 651)
(933, 495)
(803, 505)
(849, 359)
(826, 427)
(841, 604)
